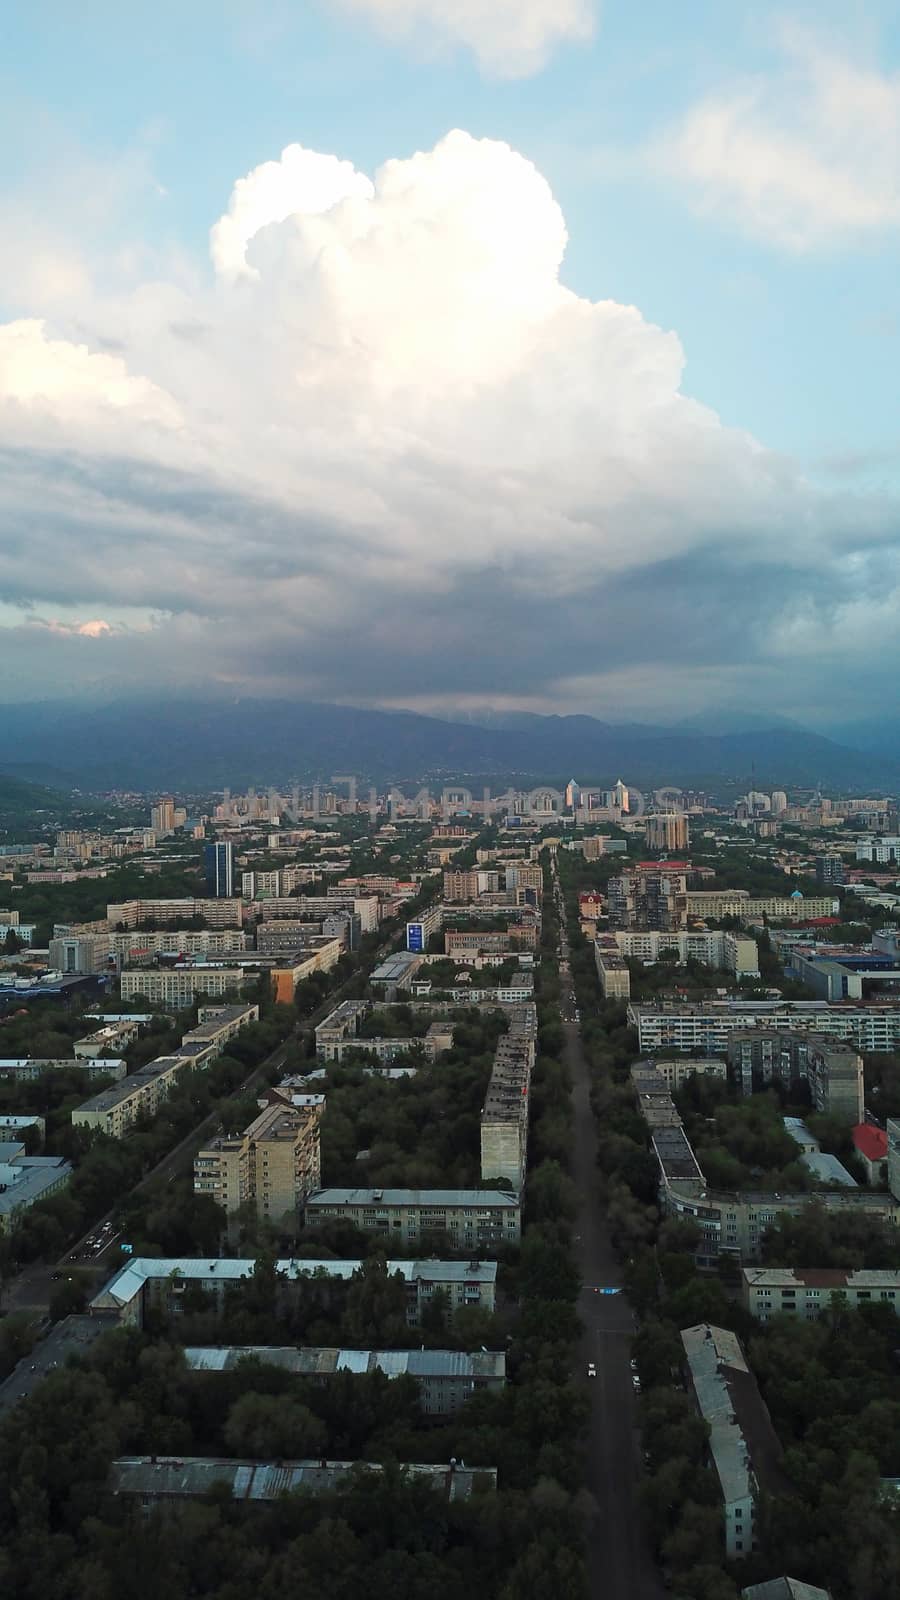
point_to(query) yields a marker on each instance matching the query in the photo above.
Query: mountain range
(205, 744)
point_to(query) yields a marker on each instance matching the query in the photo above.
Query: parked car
(592, 1370)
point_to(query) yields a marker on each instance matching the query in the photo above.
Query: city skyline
(527, 355)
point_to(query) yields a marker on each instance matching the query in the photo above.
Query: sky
(453, 354)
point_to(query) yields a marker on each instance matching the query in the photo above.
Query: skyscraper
(162, 816)
(219, 870)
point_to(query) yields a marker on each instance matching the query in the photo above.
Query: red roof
(820, 922)
(870, 1142)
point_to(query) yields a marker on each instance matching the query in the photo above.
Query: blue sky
(733, 172)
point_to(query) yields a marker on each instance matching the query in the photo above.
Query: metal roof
(130, 1279)
(324, 1361)
(168, 1477)
(423, 1198)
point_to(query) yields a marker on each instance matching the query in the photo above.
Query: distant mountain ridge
(206, 744)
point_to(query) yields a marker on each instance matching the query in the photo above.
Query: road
(620, 1563)
(68, 1337)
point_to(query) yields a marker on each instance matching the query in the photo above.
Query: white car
(592, 1370)
(636, 1383)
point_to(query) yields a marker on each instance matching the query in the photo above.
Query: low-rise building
(808, 1292)
(675, 1070)
(871, 1147)
(25, 1179)
(153, 1480)
(613, 973)
(29, 1069)
(113, 1111)
(743, 1447)
(446, 1379)
(113, 1036)
(178, 987)
(12, 1127)
(472, 1220)
(151, 1284)
(785, 1589)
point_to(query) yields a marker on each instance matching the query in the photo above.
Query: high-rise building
(162, 816)
(219, 870)
(668, 831)
(830, 869)
(779, 802)
(274, 1163)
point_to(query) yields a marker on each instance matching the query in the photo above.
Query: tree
(12, 944)
(268, 1426)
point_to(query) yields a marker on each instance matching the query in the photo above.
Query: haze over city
(532, 355)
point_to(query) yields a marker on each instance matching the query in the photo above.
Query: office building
(272, 1165)
(79, 953)
(445, 1379)
(504, 1115)
(22, 931)
(462, 942)
(471, 1219)
(26, 1179)
(218, 866)
(156, 1480)
(808, 1292)
(149, 1284)
(669, 830)
(743, 1447)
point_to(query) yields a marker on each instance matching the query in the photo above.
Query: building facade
(808, 1292)
(473, 1220)
(273, 1164)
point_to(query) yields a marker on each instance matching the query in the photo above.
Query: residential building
(743, 1447)
(162, 817)
(464, 885)
(676, 1070)
(153, 1480)
(223, 913)
(27, 1069)
(667, 1026)
(729, 952)
(646, 895)
(719, 903)
(808, 1292)
(261, 885)
(504, 1115)
(136, 947)
(613, 973)
(112, 1036)
(669, 830)
(25, 1179)
(273, 1164)
(12, 1127)
(446, 1379)
(149, 1284)
(832, 1068)
(595, 845)
(175, 988)
(218, 867)
(472, 1219)
(785, 1588)
(459, 941)
(113, 1111)
(871, 1147)
(830, 871)
(892, 1128)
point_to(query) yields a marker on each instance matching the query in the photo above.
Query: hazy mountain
(205, 744)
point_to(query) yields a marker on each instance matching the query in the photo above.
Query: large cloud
(510, 38)
(387, 455)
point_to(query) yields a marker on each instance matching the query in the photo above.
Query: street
(619, 1560)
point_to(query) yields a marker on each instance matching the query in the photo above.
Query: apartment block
(667, 1026)
(667, 831)
(472, 1219)
(646, 895)
(808, 1292)
(675, 1071)
(366, 907)
(832, 1068)
(261, 885)
(134, 946)
(612, 972)
(145, 1285)
(504, 1115)
(744, 1450)
(157, 1480)
(445, 1379)
(112, 1036)
(718, 903)
(29, 1069)
(219, 913)
(113, 1111)
(274, 1163)
(175, 988)
(729, 952)
(462, 941)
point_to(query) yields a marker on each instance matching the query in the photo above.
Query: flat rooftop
(424, 1199)
(171, 1478)
(324, 1361)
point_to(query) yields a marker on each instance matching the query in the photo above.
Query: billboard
(415, 937)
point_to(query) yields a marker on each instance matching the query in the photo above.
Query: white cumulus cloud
(510, 38)
(803, 157)
(388, 454)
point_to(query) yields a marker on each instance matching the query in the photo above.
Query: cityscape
(450, 800)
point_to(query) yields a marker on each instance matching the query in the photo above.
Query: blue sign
(610, 1291)
(415, 936)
